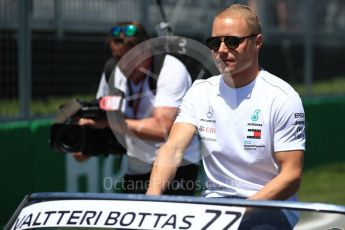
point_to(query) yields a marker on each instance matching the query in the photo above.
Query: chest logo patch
(255, 115)
(254, 133)
(209, 113)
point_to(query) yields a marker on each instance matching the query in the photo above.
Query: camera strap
(134, 98)
(109, 67)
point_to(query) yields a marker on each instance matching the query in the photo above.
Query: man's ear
(259, 41)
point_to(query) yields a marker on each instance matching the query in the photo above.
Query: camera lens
(70, 138)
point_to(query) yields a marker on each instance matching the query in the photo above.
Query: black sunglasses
(231, 42)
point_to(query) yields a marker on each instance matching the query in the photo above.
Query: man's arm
(170, 157)
(155, 127)
(288, 180)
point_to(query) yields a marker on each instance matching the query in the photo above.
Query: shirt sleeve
(103, 88)
(173, 82)
(289, 131)
(186, 112)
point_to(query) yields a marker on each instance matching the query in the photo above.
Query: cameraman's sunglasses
(231, 42)
(128, 30)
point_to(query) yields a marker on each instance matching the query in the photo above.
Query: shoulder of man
(109, 67)
(195, 69)
(277, 84)
(211, 81)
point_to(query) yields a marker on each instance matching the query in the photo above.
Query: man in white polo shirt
(251, 124)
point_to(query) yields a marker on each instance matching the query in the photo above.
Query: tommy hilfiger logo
(254, 133)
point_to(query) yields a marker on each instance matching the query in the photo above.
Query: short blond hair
(243, 11)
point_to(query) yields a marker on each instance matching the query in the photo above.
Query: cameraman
(148, 114)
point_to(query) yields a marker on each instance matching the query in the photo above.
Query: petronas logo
(255, 115)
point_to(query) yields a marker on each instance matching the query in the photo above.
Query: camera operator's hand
(99, 123)
(80, 156)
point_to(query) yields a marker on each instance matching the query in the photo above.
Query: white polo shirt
(241, 129)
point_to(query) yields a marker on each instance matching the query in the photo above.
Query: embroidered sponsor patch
(254, 133)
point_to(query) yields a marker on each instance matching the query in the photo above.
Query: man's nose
(223, 48)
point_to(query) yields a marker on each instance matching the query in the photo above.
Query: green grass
(325, 184)
(43, 107)
(334, 86)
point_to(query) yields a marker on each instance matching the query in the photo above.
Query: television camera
(68, 136)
